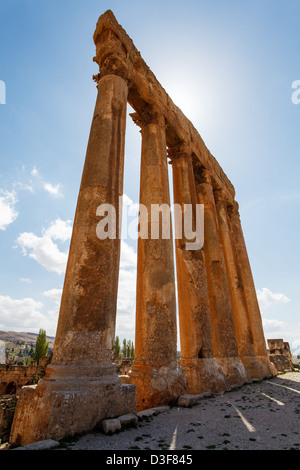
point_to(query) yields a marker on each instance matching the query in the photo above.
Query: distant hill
(24, 337)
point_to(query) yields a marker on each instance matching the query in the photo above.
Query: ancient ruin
(221, 334)
(280, 354)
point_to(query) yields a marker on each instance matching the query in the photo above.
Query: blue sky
(228, 64)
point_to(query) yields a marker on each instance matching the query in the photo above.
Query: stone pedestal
(155, 371)
(223, 328)
(81, 387)
(201, 369)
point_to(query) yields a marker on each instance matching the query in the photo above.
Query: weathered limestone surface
(250, 293)
(201, 369)
(280, 355)
(223, 327)
(154, 371)
(14, 377)
(240, 312)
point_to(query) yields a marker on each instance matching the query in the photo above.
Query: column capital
(233, 210)
(182, 150)
(220, 196)
(113, 65)
(148, 115)
(111, 55)
(202, 176)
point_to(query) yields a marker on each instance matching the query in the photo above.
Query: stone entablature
(117, 54)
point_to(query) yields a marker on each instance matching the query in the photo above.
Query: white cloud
(23, 313)
(8, 213)
(43, 249)
(295, 347)
(59, 230)
(128, 256)
(266, 298)
(125, 324)
(26, 314)
(54, 190)
(34, 171)
(54, 295)
(272, 326)
(25, 279)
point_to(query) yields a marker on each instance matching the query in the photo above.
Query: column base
(234, 370)
(259, 367)
(270, 369)
(156, 386)
(204, 375)
(59, 407)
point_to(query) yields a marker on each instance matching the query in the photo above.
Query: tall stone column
(201, 369)
(223, 328)
(266, 367)
(155, 371)
(240, 312)
(81, 386)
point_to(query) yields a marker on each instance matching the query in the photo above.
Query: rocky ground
(260, 416)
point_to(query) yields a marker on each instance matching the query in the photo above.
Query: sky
(232, 66)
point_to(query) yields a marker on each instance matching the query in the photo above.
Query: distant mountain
(25, 337)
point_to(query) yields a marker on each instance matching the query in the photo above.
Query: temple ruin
(221, 334)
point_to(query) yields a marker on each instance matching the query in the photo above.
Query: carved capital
(114, 65)
(202, 176)
(233, 210)
(179, 151)
(220, 196)
(147, 116)
(111, 56)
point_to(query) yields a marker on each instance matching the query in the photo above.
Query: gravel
(260, 416)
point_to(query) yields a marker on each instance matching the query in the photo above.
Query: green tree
(132, 351)
(128, 348)
(117, 348)
(27, 361)
(124, 348)
(41, 346)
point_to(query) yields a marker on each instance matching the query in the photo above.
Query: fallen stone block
(160, 409)
(128, 419)
(39, 445)
(187, 400)
(152, 412)
(111, 425)
(145, 413)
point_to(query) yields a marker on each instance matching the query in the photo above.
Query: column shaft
(155, 371)
(250, 293)
(240, 312)
(223, 327)
(86, 325)
(81, 386)
(200, 367)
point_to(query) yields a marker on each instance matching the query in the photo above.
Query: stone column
(201, 369)
(81, 386)
(155, 371)
(266, 369)
(240, 312)
(223, 328)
